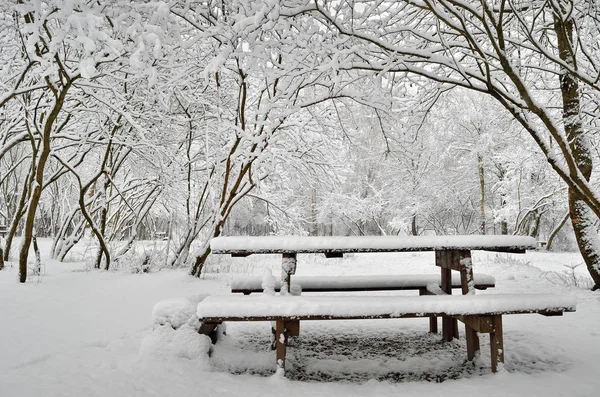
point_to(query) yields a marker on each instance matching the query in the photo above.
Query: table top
(244, 245)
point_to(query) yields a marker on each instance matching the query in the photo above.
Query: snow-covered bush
(146, 260)
(507, 260)
(175, 332)
(166, 343)
(570, 278)
(176, 312)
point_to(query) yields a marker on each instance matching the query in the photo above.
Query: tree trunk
(1, 259)
(17, 216)
(554, 232)
(414, 231)
(582, 217)
(313, 213)
(37, 269)
(482, 189)
(201, 260)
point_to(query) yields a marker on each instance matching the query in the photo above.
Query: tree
(63, 61)
(528, 56)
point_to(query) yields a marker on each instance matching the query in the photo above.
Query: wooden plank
(497, 343)
(248, 291)
(549, 313)
(348, 244)
(253, 284)
(219, 319)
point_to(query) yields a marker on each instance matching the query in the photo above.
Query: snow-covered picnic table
(452, 253)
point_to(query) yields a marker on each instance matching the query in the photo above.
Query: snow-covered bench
(420, 282)
(480, 313)
(251, 284)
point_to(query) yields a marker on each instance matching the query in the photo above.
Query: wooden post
(467, 287)
(466, 273)
(433, 326)
(281, 337)
(472, 342)
(443, 259)
(288, 267)
(496, 343)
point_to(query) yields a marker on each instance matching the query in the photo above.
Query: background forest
(123, 121)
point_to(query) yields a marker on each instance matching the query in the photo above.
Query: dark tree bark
(44, 153)
(581, 215)
(554, 232)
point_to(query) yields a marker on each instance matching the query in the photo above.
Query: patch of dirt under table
(357, 351)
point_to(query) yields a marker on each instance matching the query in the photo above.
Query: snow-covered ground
(75, 332)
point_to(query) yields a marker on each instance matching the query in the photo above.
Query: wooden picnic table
(451, 253)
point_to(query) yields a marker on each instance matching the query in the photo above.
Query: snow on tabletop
(278, 244)
(367, 281)
(395, 306)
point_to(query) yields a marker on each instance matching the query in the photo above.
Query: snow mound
(177, 311)
(166, 344)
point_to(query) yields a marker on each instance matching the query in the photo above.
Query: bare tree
(527, 55)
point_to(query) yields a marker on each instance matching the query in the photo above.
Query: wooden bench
(424, 283)
(3, 230)
(479, 313)
(250, 284)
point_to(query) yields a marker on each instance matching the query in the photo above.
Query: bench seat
(273, 307)
(253, 284)
(480, 313)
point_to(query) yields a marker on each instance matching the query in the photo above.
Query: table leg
(497, 343)
(466, 273)
(448, 260)
(472, 342)
(447, 322)
(467, 287)
(280, 343)
(288, 267)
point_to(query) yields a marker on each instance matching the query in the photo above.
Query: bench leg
(449, 328)
(280, 344)
(449, 324)
(472, 342)
(207, 328)
(433, 323)
(497, 343)
(283, 330)
(211, 330)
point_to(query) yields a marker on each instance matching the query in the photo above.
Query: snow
(74, 332)
(177, 311)
(268, 283)
(272, 306)
(365, 243)
(407, 281)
